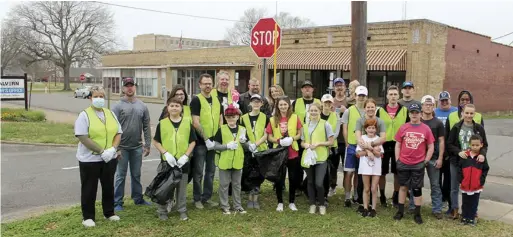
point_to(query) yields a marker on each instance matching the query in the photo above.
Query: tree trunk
(66, 77)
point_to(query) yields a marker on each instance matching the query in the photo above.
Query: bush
(21, 115)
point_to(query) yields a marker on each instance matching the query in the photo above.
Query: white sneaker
(199, 205)
(332, 192)
(280, 207)
(114, 218)
(293, 207)
(322, 210)
(312, 209)
(88, 223)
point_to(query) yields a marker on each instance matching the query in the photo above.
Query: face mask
(98, 102)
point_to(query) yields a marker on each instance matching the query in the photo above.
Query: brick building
(434, 56)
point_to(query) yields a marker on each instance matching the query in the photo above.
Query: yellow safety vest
(318, 135)
(300, 108)
(291, 128)
(176, 142)
(209, 115)
(454, 118)
(187, 112)
(393, 125)
(230, 159)
(354, 115)
(259, 129)
(102, 133)
(332, 120)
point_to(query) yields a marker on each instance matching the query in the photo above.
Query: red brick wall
(487, 76)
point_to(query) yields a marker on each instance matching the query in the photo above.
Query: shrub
(21, 115)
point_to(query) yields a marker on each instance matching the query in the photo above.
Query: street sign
(262, 37)
(82, 77)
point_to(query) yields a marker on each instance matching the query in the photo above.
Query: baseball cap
(361, 90)
(407, 83)
(255, 97)
(339, 79)
(444, 95)
(231, 111)
(307, 83)
(427, 98)
(326, 97)
(128, 81)
(414, 107)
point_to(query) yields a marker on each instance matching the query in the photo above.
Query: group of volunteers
(222, 130)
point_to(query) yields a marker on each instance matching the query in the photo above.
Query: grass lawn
(503, 116)
(339, 221)
(38, 132)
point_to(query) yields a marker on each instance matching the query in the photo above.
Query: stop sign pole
(265, 41)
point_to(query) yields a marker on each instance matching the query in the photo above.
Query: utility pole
(359, 42)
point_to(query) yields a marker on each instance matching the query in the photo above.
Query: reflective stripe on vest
(176, 142)
(454, 118)
(230, 159)
(300, 108)
(209, 115)
(354, 115)
(291, 128)
(393, 125)
(332, 120)
(259, 129)
(318, 135)
(102, 133)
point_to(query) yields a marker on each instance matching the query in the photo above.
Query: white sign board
(12, 88)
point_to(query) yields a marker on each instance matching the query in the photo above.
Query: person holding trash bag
(175, 139)
(285, 129)
(99, 133)
(316, 140)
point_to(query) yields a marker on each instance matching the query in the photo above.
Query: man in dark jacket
(457, 144)
(245, 98)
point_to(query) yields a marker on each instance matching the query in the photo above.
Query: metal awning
(377, 60)
(195, 65)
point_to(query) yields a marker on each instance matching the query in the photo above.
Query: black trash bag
(161, 187)
(251, 177)
(272, 162)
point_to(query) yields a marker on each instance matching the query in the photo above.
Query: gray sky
(484, 17)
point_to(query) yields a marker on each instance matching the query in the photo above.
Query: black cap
(307, 83)
(407, 84)
(414, 107)
(127, 81)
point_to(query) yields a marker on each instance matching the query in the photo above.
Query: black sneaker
(418, 219)
(372, 213)
(240, 211)
(355, 200)
(463, 221)
(395, 200)
(360, 209)
(365, 212)
(226, 211)
(383, 201)
(471, 222)
(398, 216)
(347, 203)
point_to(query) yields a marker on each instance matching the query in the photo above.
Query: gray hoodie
(134, 118)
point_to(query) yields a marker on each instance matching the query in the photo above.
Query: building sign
(14, 88)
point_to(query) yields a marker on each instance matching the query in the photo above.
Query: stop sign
(262, 37)
(82, 77)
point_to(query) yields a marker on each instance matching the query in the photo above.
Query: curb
(38, 144)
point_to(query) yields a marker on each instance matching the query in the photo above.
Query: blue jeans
(455, 187)
(133, 158)
(203, 159)
(436, 191)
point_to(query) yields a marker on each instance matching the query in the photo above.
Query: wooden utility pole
(359, 42)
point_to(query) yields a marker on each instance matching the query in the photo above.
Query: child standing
(370, 166)
(228, 140)
(472, 176)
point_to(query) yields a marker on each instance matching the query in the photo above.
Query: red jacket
(472, 174)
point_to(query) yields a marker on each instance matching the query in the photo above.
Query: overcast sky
(491, 18)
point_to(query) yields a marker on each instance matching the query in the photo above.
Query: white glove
(287, 141)
(242, 137)
(183, 159)
(108, 154)
(170, 159)
(252, 147)
(210, 144)
(232, 145)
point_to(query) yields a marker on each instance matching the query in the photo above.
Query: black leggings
(295, 176)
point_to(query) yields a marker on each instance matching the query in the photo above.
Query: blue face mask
(98, 102)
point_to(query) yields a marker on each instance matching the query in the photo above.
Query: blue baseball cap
(444, 95)
(339, 79)
(407, 83)
(414, 107)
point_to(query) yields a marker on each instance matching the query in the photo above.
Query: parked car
(82, 92)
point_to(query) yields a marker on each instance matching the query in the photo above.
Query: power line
(503, 36)
(172, 13)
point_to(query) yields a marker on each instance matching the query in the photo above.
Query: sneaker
(198, 205)
(398, 216)
(438, 216)
(418, 219)
(372, 213)
(355, 200)
(322, 210)
(365, 212)
(251, 205)
(212, 203)
(89, 223)
(332, 192)
(383, 201)
(113, 218)
(163, 216)
(279, 207)
(312, 209)
(471, 222)
(118, 208)
(347, 203)
(256, 205)
(463, 221)
(240, 211)
(360, 209)
(169, 207)
(143, 203)
(293, 207)
(226, 211)
(183, 216)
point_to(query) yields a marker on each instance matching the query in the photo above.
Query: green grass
(22, 115)
(495, 116)
(38, 132)
(339, 221)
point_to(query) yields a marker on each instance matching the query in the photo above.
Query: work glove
(287, 141)
(181, 162)
(170, 159)
(252, 147)
(108, 154)
(210, 144)
(232, 145)
(242, 138)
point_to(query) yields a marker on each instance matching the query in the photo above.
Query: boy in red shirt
(413, 150)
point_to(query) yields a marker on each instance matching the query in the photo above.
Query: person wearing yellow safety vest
(285, 129)
(349, 119)
(255, 123)
(229, 140)
(175, 139)
(334, 120)
(394, 115)
(206, 118)
(464, 98)
(318, 139)
(99, 134)
(222, 91)
(178, 92)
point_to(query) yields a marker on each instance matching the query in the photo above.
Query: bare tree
(11, 44)
(240, 33)
(65, 32)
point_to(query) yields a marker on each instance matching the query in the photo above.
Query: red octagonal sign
(262, 38)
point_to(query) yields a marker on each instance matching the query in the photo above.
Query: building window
(416, 36)
(147, 87)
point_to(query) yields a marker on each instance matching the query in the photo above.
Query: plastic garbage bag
(272, 162)
(162, 186)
